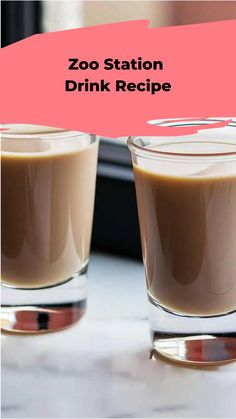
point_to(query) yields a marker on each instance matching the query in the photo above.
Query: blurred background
(115, 217)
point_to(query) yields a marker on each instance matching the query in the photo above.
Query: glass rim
(145, 151)
(43, 133)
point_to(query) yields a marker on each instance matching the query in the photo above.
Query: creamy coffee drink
(187, 217)
(48, 189)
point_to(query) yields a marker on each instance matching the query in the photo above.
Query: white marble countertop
(101, 367)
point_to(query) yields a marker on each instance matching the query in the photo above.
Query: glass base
(193, 340)
(43, 310)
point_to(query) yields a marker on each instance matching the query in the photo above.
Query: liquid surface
(187, 217)
(48, 192)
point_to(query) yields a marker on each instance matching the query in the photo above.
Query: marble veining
(101, 367)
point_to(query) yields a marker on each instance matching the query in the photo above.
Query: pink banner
(121, 76)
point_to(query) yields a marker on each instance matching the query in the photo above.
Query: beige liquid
(48, 193)
(188, 231)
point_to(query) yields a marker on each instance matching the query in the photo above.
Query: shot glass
(186, 197)
(47, 201)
